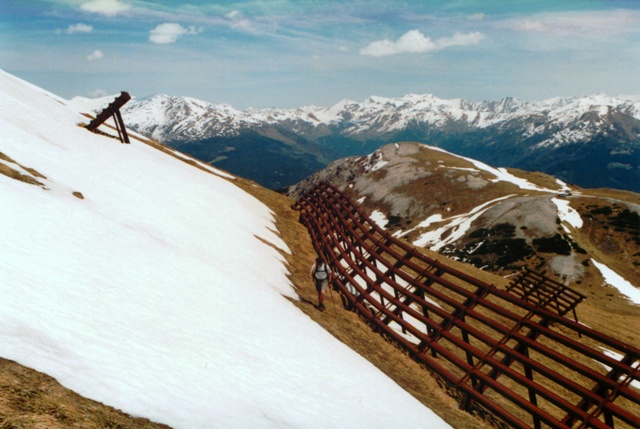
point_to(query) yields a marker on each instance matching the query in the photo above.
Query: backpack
(322, 272)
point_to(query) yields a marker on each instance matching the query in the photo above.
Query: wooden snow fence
(521, 361)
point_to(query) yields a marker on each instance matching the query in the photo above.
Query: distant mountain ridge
(559, 136)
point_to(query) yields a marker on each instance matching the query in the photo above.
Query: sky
(292, 53)
(163, 290)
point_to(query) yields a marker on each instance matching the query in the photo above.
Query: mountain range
(589, 141)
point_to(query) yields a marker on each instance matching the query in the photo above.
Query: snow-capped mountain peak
(507, 132)
(169, 118)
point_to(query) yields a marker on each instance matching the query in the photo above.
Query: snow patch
(424, 224)
(567, 214)
(457, 226)
(501, 174)
(619, 357)
(563, 186)
(614, 279)
(460, 168)
(379, 165)
(379, 218)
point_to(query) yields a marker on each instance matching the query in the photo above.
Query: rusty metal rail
(527, 365)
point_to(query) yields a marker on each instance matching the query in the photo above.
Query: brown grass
(629, 196)
(30, 399)
(605, 309)
(6, 170)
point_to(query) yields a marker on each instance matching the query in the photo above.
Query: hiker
(321, 275)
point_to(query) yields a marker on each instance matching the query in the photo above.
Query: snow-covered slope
(144, 283)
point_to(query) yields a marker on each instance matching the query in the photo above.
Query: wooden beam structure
(538, 289)
(521, 360)
(113, 109)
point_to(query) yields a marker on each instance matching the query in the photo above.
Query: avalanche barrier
(518, 359)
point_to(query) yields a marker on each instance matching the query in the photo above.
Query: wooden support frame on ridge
(538, 289)
(113, 109)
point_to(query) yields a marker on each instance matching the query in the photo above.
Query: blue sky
(287, 53)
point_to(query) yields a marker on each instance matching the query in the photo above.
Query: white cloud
(476, 17)
(106, 7)
(238, 21)
(412, 41)
(96, 55)
(97, 93)
(460, 39)
(533, 26)
(580, 23)
(169, 32)
(415, 42)
(79, 28)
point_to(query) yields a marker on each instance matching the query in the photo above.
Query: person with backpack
(321, 275)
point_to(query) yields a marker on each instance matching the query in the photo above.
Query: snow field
(153, 294)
